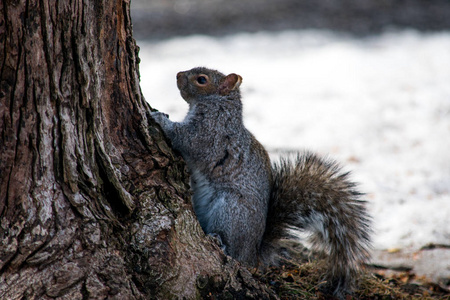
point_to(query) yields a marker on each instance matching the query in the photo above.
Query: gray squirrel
(247, 203)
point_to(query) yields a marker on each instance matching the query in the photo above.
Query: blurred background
(366, 82)
(165, 18)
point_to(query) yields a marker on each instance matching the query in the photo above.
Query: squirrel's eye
(202, 79)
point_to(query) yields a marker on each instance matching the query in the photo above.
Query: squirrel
(248, 203)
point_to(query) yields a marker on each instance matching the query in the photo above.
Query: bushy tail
(313, 195)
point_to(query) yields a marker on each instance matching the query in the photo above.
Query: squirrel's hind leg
(234, 220)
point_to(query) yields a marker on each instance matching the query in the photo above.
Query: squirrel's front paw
(158, 116)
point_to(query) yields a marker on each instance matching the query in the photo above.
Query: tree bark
(94, 204)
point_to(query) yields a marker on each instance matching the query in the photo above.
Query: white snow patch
(380, 105)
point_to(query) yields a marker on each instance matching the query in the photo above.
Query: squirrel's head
(200, 82)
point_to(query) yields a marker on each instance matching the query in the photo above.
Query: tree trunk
(93, 202)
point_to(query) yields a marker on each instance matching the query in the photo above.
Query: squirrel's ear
(230, 83)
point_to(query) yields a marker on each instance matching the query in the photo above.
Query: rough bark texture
(93, 202)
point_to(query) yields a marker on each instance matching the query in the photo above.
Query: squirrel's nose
(179, 74)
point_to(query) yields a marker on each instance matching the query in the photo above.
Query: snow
(379, 104)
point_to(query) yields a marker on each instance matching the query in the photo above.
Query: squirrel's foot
(158, 116)
(217, 240)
